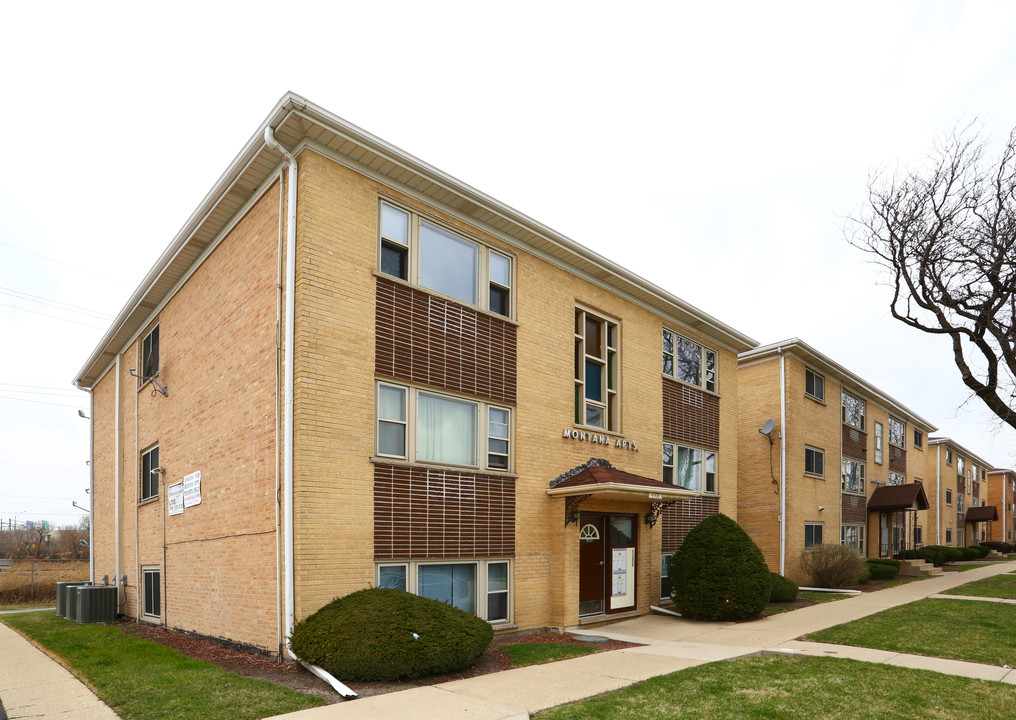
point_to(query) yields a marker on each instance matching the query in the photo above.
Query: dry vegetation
(29, 581)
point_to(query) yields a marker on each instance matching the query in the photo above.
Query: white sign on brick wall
(192, 489)
(175, 495)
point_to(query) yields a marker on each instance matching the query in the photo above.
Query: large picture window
(897, 432)
(480, 587)
(432, 428)
(688, 361)
(422, 252)
(853, 536)
(596, 371)
(853, 411)
(853, 476)
(690, 468)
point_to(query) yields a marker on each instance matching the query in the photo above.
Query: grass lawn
(1000, 586)
(964, 568)
(536, 653)
(32, 606)
(818, 597)
(959, 629)
(143, 680)
(771, 688)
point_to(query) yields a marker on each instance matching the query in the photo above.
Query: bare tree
(947, 234)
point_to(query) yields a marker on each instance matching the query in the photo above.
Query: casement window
(948, 536)
(897, 432)
(688, 361)
(690, 468)
(665, 576)
(814, 461)
(151, 589)
(918, 535)
(960, 502)
(428, 427)
(480, 587)
(597, 385)
(149, 476)
(948, 457)
(421, 252)
(853, 411)
(853, 536)
(959, 467)
(852, 476)
(948, 497)
(896, 478)
(878, 443)
(814, 385)
(918, 438)
(812, 534)
(150, 355)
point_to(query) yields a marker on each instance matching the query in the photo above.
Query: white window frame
(708, 379)
(948, 497)
(151, 340)
(845, 530)
(146, 460)
(607, 364)
(815, 453)
(481, 588)
(861, 469)
(146, 571)
(665, 573)
(948, 457)
(483, 284)
(879, 442)
(817, 384)
(707, 482)
(482, 442)
(861, 406)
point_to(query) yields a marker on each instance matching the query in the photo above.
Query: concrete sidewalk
(33, 685)
(670, 644)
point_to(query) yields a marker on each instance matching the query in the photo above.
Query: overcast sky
(713, 148)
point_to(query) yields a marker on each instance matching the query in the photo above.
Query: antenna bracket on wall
(157, 387)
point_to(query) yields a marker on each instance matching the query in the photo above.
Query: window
(853, 535)
(688, 361)
(480, 587)
(948, 457)
(853, 411)
(812, 534)
(918, 535)
(814, 461)
(689, 467)
(959, 502)
(443, 429)
(878, 443)
(150, 355)
(422, 252)
(918, 438)
(897, 432)
(896, 478)
(665, 576)
(852, 476)
(814, 385)
(151, 589)
(150, 478)
(948, 536)
(959, 467)
(596, 371)
(948, 497)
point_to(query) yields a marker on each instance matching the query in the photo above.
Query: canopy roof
(888, 498)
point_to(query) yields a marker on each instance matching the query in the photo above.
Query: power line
(55, 317)
(21, 295)
(35, 497)
(40, 402)
(38, 387)
(40, 467)
(66, 264)
(64, 394)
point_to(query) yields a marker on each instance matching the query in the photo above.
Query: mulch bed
(265, 667)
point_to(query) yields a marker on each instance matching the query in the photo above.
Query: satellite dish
(768, 427)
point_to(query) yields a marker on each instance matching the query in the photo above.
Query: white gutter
(783, 462)
(287, 458)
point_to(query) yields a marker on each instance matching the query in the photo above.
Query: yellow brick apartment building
(350, 369)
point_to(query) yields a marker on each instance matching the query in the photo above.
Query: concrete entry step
(918, 568)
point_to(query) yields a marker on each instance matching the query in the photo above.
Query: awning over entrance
(984, 513)
(600, 479)
(893, 498)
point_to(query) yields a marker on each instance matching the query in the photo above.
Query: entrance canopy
(984, 513)
(598, 478)
(893, 498)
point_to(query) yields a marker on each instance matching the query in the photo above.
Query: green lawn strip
(142, 680)
(964, 568)
(900, 581)
(783, 688)
(536, 653)
(999, 586)
(31, 606)
(959, 629)
(819, 597)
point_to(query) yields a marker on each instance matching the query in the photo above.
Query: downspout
(91, 480)
(938, 495)
(783, 462)
(287, 457)
(117, 461)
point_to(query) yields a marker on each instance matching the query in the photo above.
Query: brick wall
(897, 459)
(680, 518)
(855, 443)
(690, 415)
(853, 511)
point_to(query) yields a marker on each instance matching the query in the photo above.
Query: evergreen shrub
(883, 570)
(386, 634)
(982, 551)
(969, 553)
(782, 590)
(719, 573)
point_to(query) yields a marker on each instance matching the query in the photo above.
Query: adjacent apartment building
(351, 369)
(960, 511)
(825, 457)
(1002, 492)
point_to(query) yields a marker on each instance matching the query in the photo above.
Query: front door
(606, 563)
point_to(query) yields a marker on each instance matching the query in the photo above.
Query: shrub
(1002, 547)
(982, 552)
(384, 634)
(884, 561)
(952, 554)
(719, 573)
(781, 589)
(883, 570)
(833, 565)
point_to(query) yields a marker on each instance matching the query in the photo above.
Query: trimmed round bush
(982, 552)
(997, 545)
(883, 570)
(386, 634)
(969, 553)
(719, 573)
(884, 561)
(781, 589)
(831, 566)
